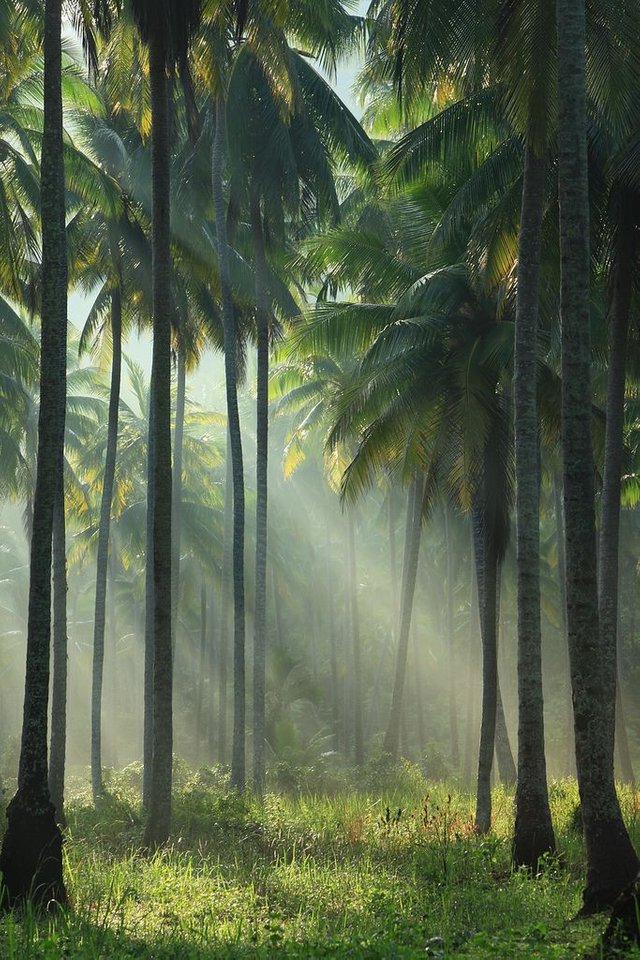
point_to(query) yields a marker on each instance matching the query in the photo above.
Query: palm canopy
(173, 23)
(433, 340)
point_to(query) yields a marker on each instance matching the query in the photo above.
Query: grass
(396, 872)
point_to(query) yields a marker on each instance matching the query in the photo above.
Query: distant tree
(238, 771)
(103, 537)
(409, 573)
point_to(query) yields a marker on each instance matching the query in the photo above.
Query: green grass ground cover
(390, 873)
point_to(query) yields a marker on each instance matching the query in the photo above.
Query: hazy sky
(348, 71)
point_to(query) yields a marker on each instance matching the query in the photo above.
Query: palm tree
(103, 541)
(117, 243)
(418, 379)
(167, 33)
(284, 148)
(235, 443)
(533, 834)
(57, 753)
(611, 859)
(31, 856)
(516, 57)
(624, 255)
(262, 455)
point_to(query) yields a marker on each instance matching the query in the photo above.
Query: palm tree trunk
(176, 517)
(562, 581)
(622, 740)
(487, 580)
(31, 855)
(225, 590)
(235, 436)
(112, 698)
(453, 706)
(421, 727)
(201, 669)
(262, 462)
(470, 715)
(159, 810)
(57, 753)
(620, 292)
(212, 671)
(409, 575)
(147, 748)
(356, 692)
(393, 565)
(99, 617)
(611, 859)
(533, 834)
(504, 753)
(333, 650)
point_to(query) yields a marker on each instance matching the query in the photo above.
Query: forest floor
(396, 872)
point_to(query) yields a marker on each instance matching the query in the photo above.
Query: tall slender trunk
(504, 753)
(202, 662)
(225, 598)
(393, 566)
(235, 437)
(112, 698)
(176, 494)
(31, 855)
(620, 292)
(470, 715)
(533, 834)
(487, 580)
(346, 698)
(453, 706)
(99, 616)
(356, 693)
(611, 859)
(262, 462)
(622, 740)
(333, 650)
(421, 727)
(409, 574)
(147, 746)
(57, 753)
(562, 583)
(158, 821)
(213, 648)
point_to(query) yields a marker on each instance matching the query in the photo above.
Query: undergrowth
(395, 871)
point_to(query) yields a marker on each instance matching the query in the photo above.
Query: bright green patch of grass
(371, 874)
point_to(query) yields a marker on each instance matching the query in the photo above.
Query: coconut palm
(414, 379)
(530, 108)
(114, 271)
(167, 33)
(31, 826)
(283, 157)
(611, 859)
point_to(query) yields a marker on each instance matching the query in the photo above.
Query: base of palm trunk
(533, 837)
(623, 930)
(31, 857)
(612, 870)
(531, 845)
